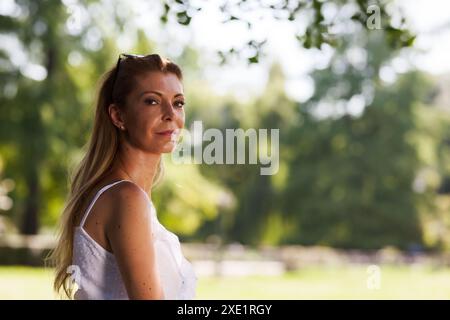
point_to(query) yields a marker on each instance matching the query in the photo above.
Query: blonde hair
(102, 149)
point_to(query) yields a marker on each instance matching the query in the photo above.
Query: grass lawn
(407, 282)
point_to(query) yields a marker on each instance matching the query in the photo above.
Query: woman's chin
(169, 147)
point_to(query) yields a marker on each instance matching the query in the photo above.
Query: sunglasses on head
(122, 57)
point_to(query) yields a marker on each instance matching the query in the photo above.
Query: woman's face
(154, 115)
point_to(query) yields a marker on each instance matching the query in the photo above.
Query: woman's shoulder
(108, 194)
(122, 200)
(129, 211)
(125, 193)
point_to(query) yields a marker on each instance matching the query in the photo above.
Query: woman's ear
(116, 116)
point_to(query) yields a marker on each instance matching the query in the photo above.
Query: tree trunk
(30, 218)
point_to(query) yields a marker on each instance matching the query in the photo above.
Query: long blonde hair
(102, 149)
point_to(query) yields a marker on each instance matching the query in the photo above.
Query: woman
(110, 237)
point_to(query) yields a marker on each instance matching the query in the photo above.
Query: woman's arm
(129, 232)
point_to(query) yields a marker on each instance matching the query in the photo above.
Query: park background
(360, 205)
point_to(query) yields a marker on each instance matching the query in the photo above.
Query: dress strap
(96, 197)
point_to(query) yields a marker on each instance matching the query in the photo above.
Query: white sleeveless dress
(99, 277)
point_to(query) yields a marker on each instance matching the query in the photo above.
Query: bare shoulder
(128, 203)
(129, 233)
(127, 192)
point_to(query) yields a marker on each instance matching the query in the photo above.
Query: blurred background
(359, 90)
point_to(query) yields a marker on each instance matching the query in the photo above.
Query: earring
(122, 127)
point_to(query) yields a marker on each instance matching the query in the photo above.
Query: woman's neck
(137, 166)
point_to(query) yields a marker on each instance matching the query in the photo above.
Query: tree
(40, 92)
(322, 19)
(351, 176)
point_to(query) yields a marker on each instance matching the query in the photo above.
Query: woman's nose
(168, 111)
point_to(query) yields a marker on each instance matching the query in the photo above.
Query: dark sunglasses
(122, 57)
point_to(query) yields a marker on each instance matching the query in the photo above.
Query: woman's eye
(150, 101)
(179, 104)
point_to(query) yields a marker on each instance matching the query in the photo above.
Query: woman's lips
(166, 133)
